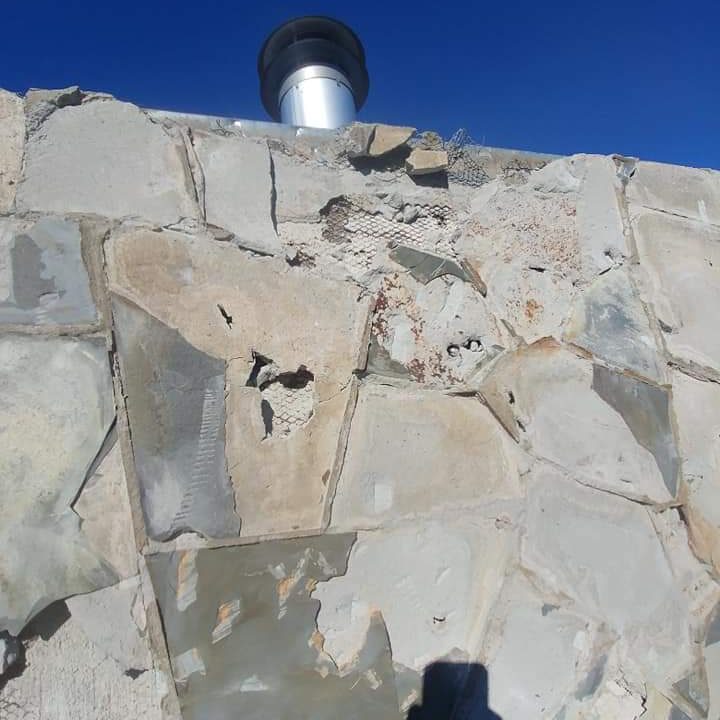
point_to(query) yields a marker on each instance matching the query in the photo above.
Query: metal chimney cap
(310, 40)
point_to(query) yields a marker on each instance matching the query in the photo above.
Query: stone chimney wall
(289, 417)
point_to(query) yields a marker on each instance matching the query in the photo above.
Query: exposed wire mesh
(465, 165)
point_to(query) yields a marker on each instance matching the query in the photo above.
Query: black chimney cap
(310, 40)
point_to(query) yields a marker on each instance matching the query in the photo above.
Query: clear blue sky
(636, 77)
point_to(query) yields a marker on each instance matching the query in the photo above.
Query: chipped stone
(43, 279)
(426, 162)
(411, 453)
(554, 401)
(425, 267)
(12, 141)
(57, 409)
(272, 663)
(387, 138)
(106, 158)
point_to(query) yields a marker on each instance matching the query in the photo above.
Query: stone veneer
(288, 428)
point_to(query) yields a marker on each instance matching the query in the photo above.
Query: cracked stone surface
(681, 260)
(268, 587)
(551, 400)
(12, 141)
(42, 276)
(287, 433)
(57, 409)
(71, 165)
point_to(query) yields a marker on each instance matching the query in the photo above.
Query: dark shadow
(454, 691)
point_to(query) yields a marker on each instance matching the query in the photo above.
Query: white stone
(577, 541)
(57, 408)
(108, 158)
(681, 260)
(238, 188)
(429, 607)
(534, 653)
(691, 192)
(12, 140)
(415, 453)
(697, 408)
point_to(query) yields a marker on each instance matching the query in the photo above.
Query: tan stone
(697, 408)
(104, 508)
(691, 192)
(426, 162)
(299, 322)
(415, 453)
(681, 263)
(12, 140)
(389, 137)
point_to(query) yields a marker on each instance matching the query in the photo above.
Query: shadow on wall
(454, 691)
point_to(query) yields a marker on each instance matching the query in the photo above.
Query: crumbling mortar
(196, 170)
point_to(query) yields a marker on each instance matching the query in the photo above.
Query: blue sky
(636, 77)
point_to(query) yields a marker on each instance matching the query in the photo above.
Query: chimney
(312, 73)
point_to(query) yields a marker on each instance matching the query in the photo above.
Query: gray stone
(10, 651)
(57, 408)
(646, 410)
(271, 663)
(239, 188)
(577, 540)
(535, 660)
(176, 406)
(690, 192)
(12, 141)
(681, 261)
(546, 397)
(425, 267)
(413, 453)
(609, 321)
(43, 278)
(426, 162)
(107, 158)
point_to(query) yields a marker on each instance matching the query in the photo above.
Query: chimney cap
(310, 40)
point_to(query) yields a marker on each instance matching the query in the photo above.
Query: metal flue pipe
(312, 73)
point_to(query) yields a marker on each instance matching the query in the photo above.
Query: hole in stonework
(520, 424)
(226, 316)
(667, 329)
(511, 397)
(453, 350)
(537, 268)
(135, 673)
(287, 398)
(474, 345)
(437, 620)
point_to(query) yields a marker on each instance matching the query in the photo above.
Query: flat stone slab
(607, 430)
(609, 321)
(108, 158)
(176, 406)
(284, 426)
(57, 409)
(681, 260)
(12, 140)
(241, 631)
(238, 188)
(414, 453)
(43, 279)
(691, 192)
